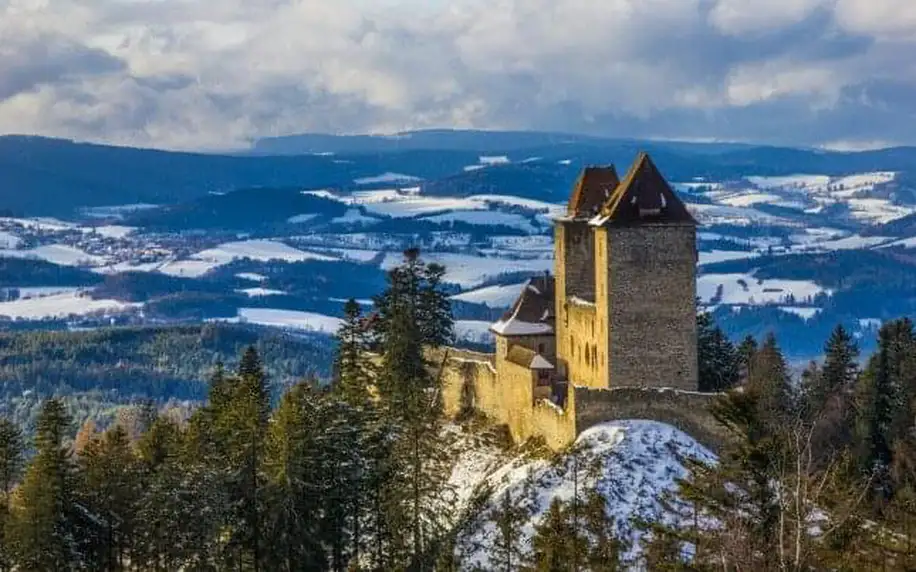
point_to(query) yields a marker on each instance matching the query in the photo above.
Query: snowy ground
(57, 254)
(631, 463)
(493, 296)
(476, 331)
(469, 271)
(289, 319)
(257, 250)
(60, 306)
(744, 289)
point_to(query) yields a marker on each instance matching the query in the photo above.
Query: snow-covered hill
(631, 463)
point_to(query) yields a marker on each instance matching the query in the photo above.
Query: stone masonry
(612, 335)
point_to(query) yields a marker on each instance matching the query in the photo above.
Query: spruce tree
(718, 359)
(352, 366)
(747, 349)
(555, 541)
(509, 516)
(184, 506)
(768, 377)
(414, 316)
(243, 426)
(829, 392)
(11, 464)
(883, 403)
(294, 484)
(109, 488)
(47, 528)
(606, 550)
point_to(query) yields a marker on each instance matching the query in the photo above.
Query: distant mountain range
(41, 176)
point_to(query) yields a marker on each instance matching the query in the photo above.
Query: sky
(218, 74)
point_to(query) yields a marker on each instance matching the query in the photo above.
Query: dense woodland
(352, 475)
(96, 371)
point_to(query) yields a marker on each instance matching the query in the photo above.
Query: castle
(611, 335)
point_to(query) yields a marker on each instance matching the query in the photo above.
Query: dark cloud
(194, 74)
(46, 60)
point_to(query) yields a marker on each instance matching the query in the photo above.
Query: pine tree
(606, 548)
(718, 360)
(883, 403)
(183, 508)
(11, 464)
(47, 526)
(509, 516)
(555, 541)
(414, 315)
(294, 484)
(829, 394)
(109, 488)
(747, 349)
(768, 377)
(352, 366)
(243, 427)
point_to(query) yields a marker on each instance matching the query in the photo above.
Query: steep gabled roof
(533, 312)
(643, 196)
(526, 357)
(592, 189)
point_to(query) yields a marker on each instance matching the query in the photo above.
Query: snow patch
(638, 462)
(291, 319)
(493, 296)
(74, 303)
(386, 178)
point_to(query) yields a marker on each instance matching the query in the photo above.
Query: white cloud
(215, 74)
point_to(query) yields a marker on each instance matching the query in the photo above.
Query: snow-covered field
(469, 271)
(112, 230)
(386, 178)
(61, 254)
(744, 289)
(257, 250)
(289, 319)
(9, 240)
(639, 461)
(261, 292)
(62, 305)
(713, 256)
(486, 218)
(822, 190)
(493, 296)
(476, 331)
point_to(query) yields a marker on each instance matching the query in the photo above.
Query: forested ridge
(353, 474)
(96, 371)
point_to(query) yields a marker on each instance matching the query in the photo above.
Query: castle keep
(612, 335)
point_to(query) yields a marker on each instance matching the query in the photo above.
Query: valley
(790, 253)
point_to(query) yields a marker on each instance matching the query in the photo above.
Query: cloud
(207, 74)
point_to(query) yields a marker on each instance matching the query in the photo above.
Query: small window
(542, 348)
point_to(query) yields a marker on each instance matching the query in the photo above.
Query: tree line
(353, 475)
(335, 477)
(819, 473)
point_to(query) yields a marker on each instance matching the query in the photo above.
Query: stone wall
(583, 349)
(579, 260)
(651, 277)
(689, 411)
(468, 381)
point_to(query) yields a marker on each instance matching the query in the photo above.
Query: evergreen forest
(818, 473)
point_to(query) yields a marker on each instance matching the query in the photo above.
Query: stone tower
(626, 282)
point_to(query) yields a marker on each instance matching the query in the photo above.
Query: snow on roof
(540, 362)
(531, 314)
(519, 328)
